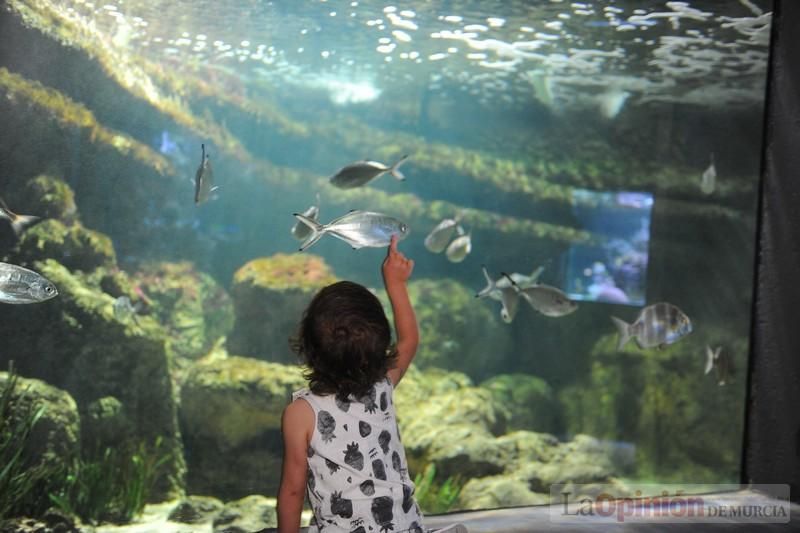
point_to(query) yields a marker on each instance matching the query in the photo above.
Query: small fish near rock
(204, 179)
(709, 180)
(658, 325)
(720, 361)
(359, 229)
(19, 285)
(360, 173)
(18, 222)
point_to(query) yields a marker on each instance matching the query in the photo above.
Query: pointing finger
(393, 244)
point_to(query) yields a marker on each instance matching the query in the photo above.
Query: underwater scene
(576, 182)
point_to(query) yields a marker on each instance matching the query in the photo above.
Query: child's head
(345, 340)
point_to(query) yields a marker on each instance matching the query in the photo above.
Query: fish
(439, 237)
(709, 180)
(362, 172)
(722, 362)
(124, 309)
(204, 179)
(658, 324)
(460, 248)
(18, 222)
(494, 288)
(503, 291)
(545, 299)
(19, 285)
(359, 229)
(301, 231)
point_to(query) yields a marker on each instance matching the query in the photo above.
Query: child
(341, 440)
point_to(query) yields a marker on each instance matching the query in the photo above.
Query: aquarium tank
(579, 185)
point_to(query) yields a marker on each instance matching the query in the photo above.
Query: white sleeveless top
(357, 472)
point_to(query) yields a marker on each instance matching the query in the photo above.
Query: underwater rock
(105, 421)
(196, 510)
(56, 437)
(453, 426)
(231, 414)
(269, 297)
(457, 332)
(75, 247)
(195, 310)
(529, 400)
(498, 491)
(47, 196)
(252, 513)
(650, 408)
(74, 342)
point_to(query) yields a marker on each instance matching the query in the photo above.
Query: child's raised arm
(396, 271)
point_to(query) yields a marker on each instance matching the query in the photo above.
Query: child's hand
(396, 267)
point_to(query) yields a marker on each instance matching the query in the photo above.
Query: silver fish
(440, 236)
(300, 231)
(722, 362)
(359, 229)
(362, 172)
(123, 308)
(494, 288)
(204, 179)
(709, 180)
(19, 285)
(459, 249)
(548, 300)
(18, 222)
(657, 325)
(503, 291)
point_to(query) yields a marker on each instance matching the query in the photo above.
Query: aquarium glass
(584, 309)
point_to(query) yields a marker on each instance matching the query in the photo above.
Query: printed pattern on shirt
(358, 479)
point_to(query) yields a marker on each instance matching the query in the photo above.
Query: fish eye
(48, 289)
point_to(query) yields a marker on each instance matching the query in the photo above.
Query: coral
(273, 291)
(76, 247)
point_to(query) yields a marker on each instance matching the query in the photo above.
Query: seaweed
(436, 497)
(111, 484)
(21, 480)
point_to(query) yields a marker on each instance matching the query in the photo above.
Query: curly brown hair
(344, 339)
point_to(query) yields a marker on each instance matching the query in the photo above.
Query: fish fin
(534, 277)
(624, 330)
(709, 360)
(317, 230)
(483, 293)
(395, 169)
(513, 283)
(510, 301)
(21, 222)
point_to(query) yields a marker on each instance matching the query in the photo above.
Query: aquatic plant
(68, 113)
(21, 480)
(113, 484)
(436, 496)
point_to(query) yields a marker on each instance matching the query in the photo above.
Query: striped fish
(657, 325)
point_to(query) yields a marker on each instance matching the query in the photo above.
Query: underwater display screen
(614, 271)
(576, 184)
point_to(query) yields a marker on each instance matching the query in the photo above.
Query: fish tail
(709, 360)
(489, 284)
(20, 222)
(395, 170)
(317, 230)
(534, 277)
(624, 330)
